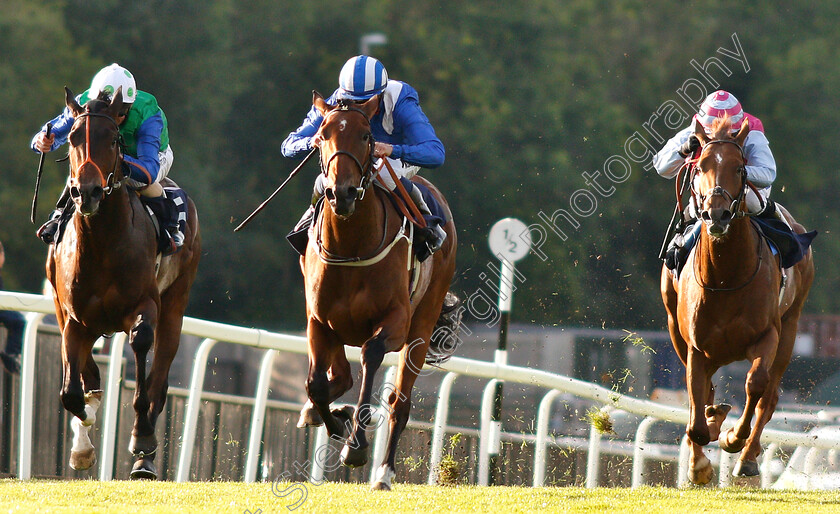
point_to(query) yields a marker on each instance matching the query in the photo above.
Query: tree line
(549, 112)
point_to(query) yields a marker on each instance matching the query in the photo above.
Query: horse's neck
(728, 261)
(358, 235)
(109, 224)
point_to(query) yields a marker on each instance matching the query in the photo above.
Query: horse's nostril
(97, 193)
(75, 192)
(329, 193)
(726, 216)
(351, 191)
(706, 215)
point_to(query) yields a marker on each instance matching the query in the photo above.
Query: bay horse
(729, 304)
(105, 279)
(358, 288)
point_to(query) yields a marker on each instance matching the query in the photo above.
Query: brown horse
(358, 293)
(105, 279)
(727, 306)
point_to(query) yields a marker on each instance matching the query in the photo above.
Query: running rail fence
(37, 306)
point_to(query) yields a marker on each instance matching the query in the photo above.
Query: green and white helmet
(110, 78)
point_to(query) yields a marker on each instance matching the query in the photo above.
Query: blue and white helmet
(361, 78)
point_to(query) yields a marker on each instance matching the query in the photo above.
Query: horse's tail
(445, 338)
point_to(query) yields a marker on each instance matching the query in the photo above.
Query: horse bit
(367, 171)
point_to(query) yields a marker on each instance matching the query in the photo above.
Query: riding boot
(166, 213)
(434, 235)
(48, 230)
(771, 211)
(680, 245)
(299, 236)
(173, 221)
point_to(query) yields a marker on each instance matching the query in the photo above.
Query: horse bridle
(367, 170)
(718, 190)
(110, 184)
(734, 207)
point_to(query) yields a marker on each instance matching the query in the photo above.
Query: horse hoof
(82, 460)
(718, 412)
(345, 413)
(730, 443)
(354, 457)
(143, 469)
(702, 473)
(745, 468)
(384, 475)
(345, 418)
(309, 416)
(380, 486)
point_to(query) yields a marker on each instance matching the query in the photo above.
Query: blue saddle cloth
(438, 216)
(791, 246)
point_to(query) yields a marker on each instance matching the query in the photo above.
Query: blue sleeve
(146, 165)
(420, 146)
(299, 142)
(61, 126)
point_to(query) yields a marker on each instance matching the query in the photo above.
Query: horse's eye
(366, 137)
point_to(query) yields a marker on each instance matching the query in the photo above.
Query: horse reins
(110, 183)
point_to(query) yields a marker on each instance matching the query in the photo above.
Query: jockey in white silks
(761, 166)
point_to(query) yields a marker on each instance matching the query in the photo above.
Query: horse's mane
(722, 128)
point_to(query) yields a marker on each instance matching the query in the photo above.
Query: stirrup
(435, 238)
(48, 230)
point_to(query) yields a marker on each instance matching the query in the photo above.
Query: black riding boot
(299, 236)
(165, 210)
(433, 235)
(48, 230)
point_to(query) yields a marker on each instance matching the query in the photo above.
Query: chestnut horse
(357, 276)
(105, 279)
(730, 304)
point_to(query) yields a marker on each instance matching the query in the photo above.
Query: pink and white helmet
(717, 105)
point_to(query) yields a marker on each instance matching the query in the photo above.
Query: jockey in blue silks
(401, 130)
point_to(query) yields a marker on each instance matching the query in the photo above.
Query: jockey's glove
(690, 146)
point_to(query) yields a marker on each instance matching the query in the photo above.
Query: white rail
(295, 344)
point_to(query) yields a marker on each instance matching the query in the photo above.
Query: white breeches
(401, 169)
(165, 158)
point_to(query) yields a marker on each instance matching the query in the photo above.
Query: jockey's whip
(675, 219)
(262, 205)
(38, 179)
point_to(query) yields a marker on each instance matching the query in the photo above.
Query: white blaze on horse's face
(342, 125)
(720, 184)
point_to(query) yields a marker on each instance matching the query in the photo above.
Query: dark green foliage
(526, 96)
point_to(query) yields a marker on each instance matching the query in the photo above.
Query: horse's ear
(116, 101)
(71, 103)
(370, 106)
(319, 103)
(700, 132)
(741, 136)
